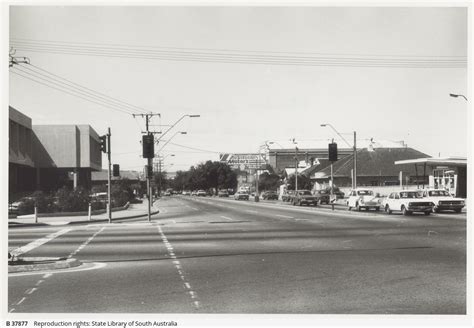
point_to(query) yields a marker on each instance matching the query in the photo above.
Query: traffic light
(116, 170)
(103, 143)
(148, 143)
(333, 152)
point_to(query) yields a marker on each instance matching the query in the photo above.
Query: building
(47, 157)
(101, 177)
(444, 173)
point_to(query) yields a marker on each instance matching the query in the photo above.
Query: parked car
(363, 199)
(167, 193)
(269, 195)
(443, 200)
(193, 193)
(407, 201)
(201, 193)
(241, 195)
(288, 196)
(323, 196)
(304, 197)
(223, 193)
(186, 193)
(14, 206)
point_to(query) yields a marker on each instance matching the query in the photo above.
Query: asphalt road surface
(209, 255)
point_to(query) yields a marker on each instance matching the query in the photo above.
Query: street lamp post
(354, 174)
(457, 95)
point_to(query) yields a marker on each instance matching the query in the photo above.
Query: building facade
(47, 157)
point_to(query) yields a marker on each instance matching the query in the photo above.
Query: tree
(303, 182)
(268, 181)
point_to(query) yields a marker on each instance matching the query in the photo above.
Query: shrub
(72, 201)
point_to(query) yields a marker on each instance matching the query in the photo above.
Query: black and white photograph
(248, 160)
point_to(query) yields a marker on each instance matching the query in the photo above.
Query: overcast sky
(243, 104)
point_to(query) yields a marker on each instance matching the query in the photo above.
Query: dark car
(223, 193)
(269, 195)
(305, 197)
(323, 196)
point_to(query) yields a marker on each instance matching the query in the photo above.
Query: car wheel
(405, 211)
(427, 212)
(349, 208)
(458, 210)
(358, 207)
(377, 208)
(387, 209)
(436, 209)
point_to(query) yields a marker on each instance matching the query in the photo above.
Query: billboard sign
(243, 161)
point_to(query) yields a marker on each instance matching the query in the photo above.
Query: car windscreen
(436, 193)
(365, 192)
(306, 192)
(410, 194)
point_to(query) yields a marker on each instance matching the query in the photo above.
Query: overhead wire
(239, 56)
(70, 88)
(70, 93)
(132, 107)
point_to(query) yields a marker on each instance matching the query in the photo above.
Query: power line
(132, 107)
(70, 93)
(202, 150)
(68, 87)
(124, 46)
(241, 57)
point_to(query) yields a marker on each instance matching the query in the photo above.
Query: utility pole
(355, 161)
(109, 179)
(148, 153)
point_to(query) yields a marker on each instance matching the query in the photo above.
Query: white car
(363, 198)
(407, 201)
(443, 200)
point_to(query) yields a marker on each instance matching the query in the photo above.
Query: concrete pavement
(133, 211)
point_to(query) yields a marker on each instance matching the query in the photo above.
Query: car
(443, 200)
(407, 201)
(241, 195)
(323, 196)
(304, 197)
(186, 193)
(223, 193)
(167, 193)
(201, 193)
(363, 199)
(269, 195)
(14, 206)
(288, 196)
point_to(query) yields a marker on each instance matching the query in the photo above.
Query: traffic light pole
(148, 179)
(109, 209)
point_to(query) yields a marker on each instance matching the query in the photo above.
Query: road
(209, 255)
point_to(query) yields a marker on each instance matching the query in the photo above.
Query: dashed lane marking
(81, 247)
(179, 269)
(38, 242)
(284, 216)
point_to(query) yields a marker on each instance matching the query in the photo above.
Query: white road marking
(31, 291)
(177, 265)
(84, 267)
(225, 217)
(81, 247)
(39, 282)
(21, 301)
(38, 242)
(284, 216)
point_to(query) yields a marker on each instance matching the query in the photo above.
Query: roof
(452, 161)
(379, 162)
(102, 175)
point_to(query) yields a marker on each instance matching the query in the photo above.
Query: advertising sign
(243, 161)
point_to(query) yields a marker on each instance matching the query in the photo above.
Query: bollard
(90, 212)
(36, 214)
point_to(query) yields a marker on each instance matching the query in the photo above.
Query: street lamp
(174, 124)
(457, 95)
(354, 176)
(167, 141)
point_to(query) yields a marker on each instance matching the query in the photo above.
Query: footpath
(133, 211)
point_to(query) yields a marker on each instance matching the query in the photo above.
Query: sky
(241, 104)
